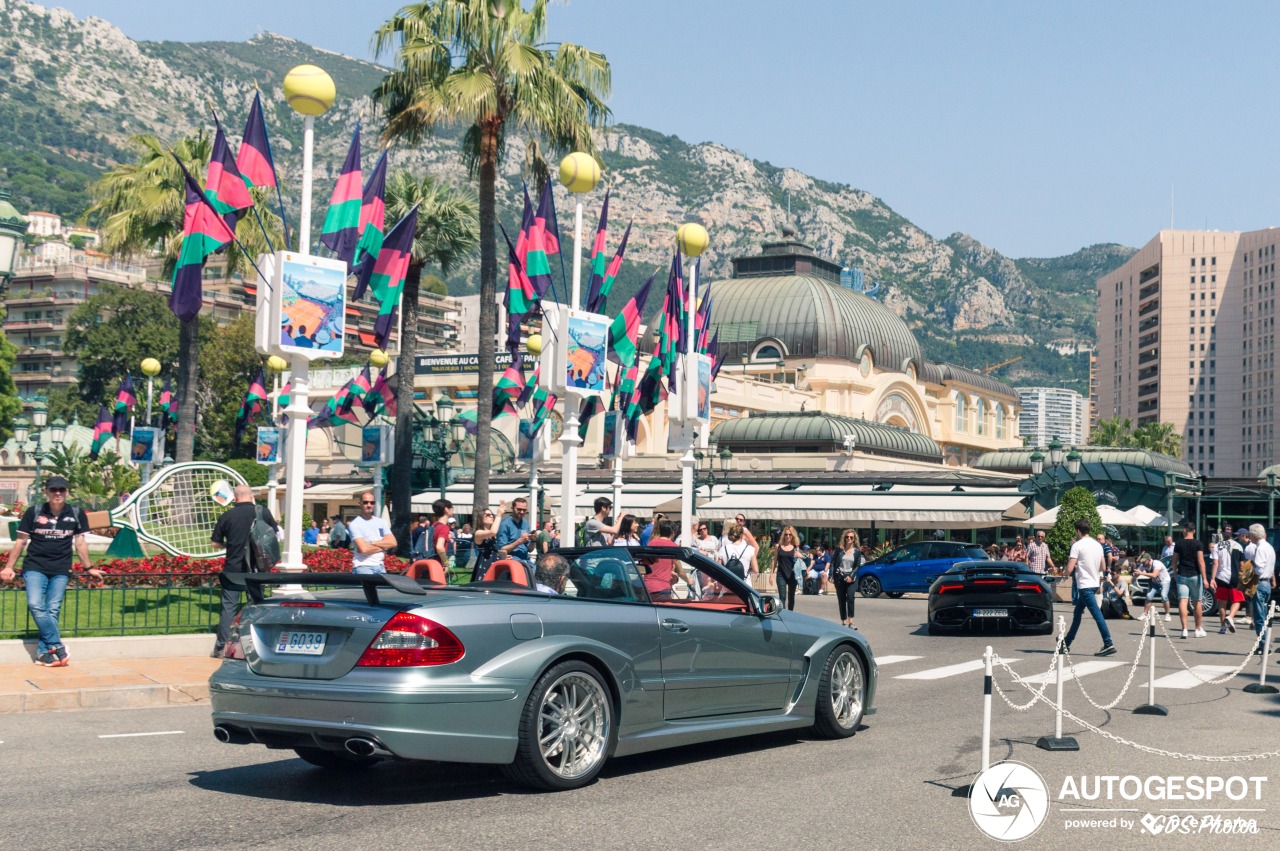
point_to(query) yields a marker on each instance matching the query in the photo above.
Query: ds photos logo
(1009, 801)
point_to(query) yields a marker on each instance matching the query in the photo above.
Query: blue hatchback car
(913, 567)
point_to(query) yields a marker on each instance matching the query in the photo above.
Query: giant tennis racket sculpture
(177, 509)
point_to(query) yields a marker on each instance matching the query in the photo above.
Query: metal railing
(137, 604)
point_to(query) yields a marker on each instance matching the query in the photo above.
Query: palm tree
(482, 65)
(1112, 432)
(1159, 437)
(140, 207)
(448, 231)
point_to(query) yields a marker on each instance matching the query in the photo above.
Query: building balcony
(1144, 309)
(1148, 357)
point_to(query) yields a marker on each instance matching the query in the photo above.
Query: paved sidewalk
(106, 683)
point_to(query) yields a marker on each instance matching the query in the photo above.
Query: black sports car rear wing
(253, 583)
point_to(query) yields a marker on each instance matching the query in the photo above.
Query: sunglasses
(367, 502)
(56, 490)
(487, 514)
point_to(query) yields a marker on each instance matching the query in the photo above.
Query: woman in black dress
(784, 565)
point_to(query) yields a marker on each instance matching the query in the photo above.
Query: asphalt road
(64, 784)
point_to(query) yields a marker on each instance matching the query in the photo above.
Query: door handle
(675, 626)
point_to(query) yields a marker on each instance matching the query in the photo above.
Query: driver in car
(550, 574)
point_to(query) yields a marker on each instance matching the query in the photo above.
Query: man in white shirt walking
(1264, 568)
(1084, 566)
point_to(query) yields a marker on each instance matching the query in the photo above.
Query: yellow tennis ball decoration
(579, 172)
(379, 358)
(692, 238)
(309, 90)
(275, 363)
(150, 367)
(533, 345)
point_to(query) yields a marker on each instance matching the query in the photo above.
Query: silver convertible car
(647, 648)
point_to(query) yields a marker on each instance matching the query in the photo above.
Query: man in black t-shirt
(232, 533)
(48, 532)
(1188, 564)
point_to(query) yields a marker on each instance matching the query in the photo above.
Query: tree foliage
(253, 473)
(1076, 503)
(111, 332)
(10, 407)
(227, 363)
(96, 482)
(1153, 437)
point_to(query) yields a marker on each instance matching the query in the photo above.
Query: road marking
(1083, 669)
(1187, 679)
(949, 670)
(881, 661)
(135, 735)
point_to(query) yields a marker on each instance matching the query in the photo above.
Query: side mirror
(768, 605)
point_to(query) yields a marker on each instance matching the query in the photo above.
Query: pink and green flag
(101, 432)
(382, 396)
(254, 160)
(373, 219)
(341, 229)
(624, 331)
(123, 407)
(203, 232)
(509, 387)
(386, 275)
(169, 401)
(252, 404)
(521, 296)
(225, 186)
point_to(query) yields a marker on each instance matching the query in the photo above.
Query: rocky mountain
(75, 90)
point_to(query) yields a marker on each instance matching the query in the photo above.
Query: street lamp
(1057, 458)
(705, 473)
(13, 227)
(1271, 499)
(441, 436)
(22, 432)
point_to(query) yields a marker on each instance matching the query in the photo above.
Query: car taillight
(990, 581)
(232, 649)
(411, 640)
(1030, 586)
(946, 588)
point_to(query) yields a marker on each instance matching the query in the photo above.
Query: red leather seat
(508, 570)
(429, 569)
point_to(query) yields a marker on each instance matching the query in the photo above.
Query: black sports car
(1004, 594)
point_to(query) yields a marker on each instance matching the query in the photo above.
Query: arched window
(982, 416)
(962, 412)
(767, 352)
(1000, 422)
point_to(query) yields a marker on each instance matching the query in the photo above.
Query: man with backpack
(234, 532)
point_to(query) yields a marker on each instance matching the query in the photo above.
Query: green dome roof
(810, 317)
(818, 431)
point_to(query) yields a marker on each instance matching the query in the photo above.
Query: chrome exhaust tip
(361, 747)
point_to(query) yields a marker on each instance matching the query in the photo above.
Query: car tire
(869, 586)
(894, 595)
(841, 695)
(335, 760)
(570, 700)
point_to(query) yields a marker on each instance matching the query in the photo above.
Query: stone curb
(110, 697)
(22, 651)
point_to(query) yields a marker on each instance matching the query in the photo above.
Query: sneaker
(1222, 630)
(1200, 633)
(1107, 650)
(61, 656)
(1167, 618)
(1184, 633)
(1231, 626)
(46, 660)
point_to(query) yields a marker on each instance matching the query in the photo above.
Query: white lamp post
(151, 368)
(693, 240)
(310, 92)
(579, 173)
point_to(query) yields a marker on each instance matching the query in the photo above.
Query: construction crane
(990, 369)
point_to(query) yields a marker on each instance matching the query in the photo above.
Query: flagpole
(580, 174)
(277, 365)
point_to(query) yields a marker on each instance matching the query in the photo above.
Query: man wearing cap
(50, 531)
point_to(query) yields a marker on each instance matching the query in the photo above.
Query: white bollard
(986, 709)
(1151, 707)
(1261, 687)
(1058, 742)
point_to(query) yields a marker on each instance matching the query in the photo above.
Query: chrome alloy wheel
(573, 725)
(846, 690)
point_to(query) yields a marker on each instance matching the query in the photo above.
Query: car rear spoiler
(253, 583)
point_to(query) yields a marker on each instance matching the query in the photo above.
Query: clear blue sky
(1036, 127)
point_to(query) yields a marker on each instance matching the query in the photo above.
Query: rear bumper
(455, 722)
(1021, 616)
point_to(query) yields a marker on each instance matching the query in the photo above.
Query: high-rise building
(1049, 412)
(1187, 336)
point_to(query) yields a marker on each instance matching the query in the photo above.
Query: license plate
(301, 643)
(991, 613)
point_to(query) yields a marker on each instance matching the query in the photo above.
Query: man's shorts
(1190, 588)
(1162, 588)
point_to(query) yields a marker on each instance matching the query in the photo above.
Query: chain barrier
(1137, 657)
(1212, 681)
(1145, 748)
(1048, 678)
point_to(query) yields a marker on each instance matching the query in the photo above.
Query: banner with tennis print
(142, 445)
(307, 307)
(267, 450)
(375, 445)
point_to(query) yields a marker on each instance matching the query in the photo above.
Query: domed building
(794, 340)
